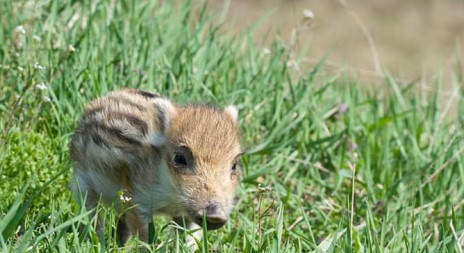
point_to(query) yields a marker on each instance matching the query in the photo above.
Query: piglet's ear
(165, 112)
(232, 111)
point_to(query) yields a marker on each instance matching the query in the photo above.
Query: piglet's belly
(102, 185)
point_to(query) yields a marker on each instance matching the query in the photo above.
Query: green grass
(384, 175)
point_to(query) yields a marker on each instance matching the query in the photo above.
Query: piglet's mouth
(210, 225)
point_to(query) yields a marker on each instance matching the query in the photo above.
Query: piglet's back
(121, 122)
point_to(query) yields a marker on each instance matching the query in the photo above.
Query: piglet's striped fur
(175, 160)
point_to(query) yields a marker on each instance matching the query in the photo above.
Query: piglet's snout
(214, 215)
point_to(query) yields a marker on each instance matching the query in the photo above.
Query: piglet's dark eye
(234, 167)
(180, 160)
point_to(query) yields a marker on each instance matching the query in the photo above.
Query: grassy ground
(329, 168)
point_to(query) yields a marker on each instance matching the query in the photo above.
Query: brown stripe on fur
(95, 127)
(96, 138)
(94, 110)
(123, 101)
(146, 94)
(117, 133)
(149, 94)
(141, 125)
(126, 101)
(99, 108)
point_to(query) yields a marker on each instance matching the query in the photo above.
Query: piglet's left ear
(232, 111)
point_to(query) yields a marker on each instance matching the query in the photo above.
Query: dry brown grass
(413, 38)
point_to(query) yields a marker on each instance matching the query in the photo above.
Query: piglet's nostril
(212, 208)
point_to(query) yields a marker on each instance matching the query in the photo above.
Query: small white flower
(71, 48)
(308, 14)
(266, 51)
(20, 29)
(36, 38)
(125, 199)
(37, 66)
(17, 54)
(264, 189)
(20, 69)
(46, 99)
(41, 86)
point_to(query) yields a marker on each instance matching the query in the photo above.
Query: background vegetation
(329, 168)
(413, 39)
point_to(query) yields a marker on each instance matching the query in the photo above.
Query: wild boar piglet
(169, 159)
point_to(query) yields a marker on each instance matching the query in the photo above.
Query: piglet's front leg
(136, 224)
(195, 234)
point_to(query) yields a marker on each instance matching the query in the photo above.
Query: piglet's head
(202, 151)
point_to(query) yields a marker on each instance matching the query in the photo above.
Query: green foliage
(330, 167)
